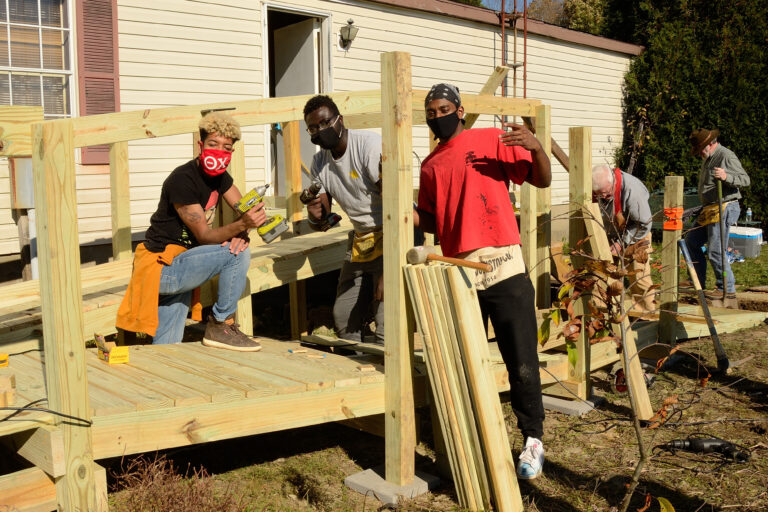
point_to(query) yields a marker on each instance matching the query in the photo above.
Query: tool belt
(710, 214)
(367, 246)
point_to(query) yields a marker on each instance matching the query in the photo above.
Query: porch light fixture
(347, 34)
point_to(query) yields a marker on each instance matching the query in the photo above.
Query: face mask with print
(215, 161)
(445, 126)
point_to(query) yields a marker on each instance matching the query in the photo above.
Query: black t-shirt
(187, 184)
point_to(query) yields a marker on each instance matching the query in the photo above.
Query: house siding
(175, 52)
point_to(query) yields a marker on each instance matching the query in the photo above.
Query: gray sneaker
(227, 335)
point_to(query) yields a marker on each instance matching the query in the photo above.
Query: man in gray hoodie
(627, 219)
(719, 163)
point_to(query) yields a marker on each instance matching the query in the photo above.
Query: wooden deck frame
(396, 107)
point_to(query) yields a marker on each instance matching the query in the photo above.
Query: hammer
(424, 253)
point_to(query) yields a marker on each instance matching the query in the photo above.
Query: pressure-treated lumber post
(541, 273)
(528, 232)
(16, 141)
(121, 200)
(489, 89)
(292, 150)
(673, 198)
(579, 194)
(397, 185)
(244, 314)
(61, 301)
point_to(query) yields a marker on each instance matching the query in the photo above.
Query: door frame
(325, 68)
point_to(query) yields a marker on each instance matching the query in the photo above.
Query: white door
(297, 71)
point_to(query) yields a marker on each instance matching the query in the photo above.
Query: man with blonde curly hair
(183, 250)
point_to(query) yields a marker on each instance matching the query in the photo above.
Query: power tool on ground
(706, 445)
(310, 194)
(274, 226)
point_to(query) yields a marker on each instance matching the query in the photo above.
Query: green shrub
(704, 65)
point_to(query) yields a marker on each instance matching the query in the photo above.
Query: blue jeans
(189, 270)
(710, 235)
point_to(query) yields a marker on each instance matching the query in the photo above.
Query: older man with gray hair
(627, 219)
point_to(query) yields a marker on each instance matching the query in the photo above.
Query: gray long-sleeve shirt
(736, 178)
(634, 207)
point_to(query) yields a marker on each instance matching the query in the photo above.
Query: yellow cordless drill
(274, 226)
(308, 195)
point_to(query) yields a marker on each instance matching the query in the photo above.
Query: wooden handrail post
(579, 195)
(244, 314)
(119, 186)
(62, 306)
(292, 150)
(541, 273)
(397, 193)
(670, 255)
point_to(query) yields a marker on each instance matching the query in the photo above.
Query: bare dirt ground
(589, 459)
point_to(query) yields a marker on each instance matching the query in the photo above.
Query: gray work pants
(355, 304)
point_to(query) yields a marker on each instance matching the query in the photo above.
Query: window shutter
(98, 77)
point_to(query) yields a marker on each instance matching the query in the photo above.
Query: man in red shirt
(464, 198)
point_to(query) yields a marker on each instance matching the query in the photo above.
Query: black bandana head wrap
(444, 91)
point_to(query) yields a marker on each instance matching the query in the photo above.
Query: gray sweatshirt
(634, 207)
(736, 178)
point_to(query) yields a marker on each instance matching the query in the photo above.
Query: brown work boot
(227, 335)
(717, 293)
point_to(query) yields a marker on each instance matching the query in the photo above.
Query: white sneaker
(531, 459)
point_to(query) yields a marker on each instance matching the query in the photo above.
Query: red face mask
(215, 161)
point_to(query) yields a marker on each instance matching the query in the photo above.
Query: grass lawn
(751, 272)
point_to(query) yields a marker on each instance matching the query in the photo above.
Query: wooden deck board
(179, 394)
(32, 376)
(199, 366)
(144, 358)
(251, 364)
(261, 383)
(115, 381)
(274, 358)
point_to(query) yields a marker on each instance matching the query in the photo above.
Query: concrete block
(571, 407)
(371, 482)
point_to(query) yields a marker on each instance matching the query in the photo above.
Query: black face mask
(327, 138)
(445, 126)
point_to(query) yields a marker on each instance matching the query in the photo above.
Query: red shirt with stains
(464, 183)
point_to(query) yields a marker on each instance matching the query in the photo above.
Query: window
(35, 67)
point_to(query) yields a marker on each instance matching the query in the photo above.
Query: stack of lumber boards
(467, 401)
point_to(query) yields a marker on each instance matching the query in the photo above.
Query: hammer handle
(462, 263)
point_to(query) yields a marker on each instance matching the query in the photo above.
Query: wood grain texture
(670, 257)
(16, 129)
(294, 209)
(150, 123)
(120, 197)
(580, 194)
(541, 273)
(244, 313)
(43, 447)
(61, 301)
(488, 414)
(397, 186)
(28, 490)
